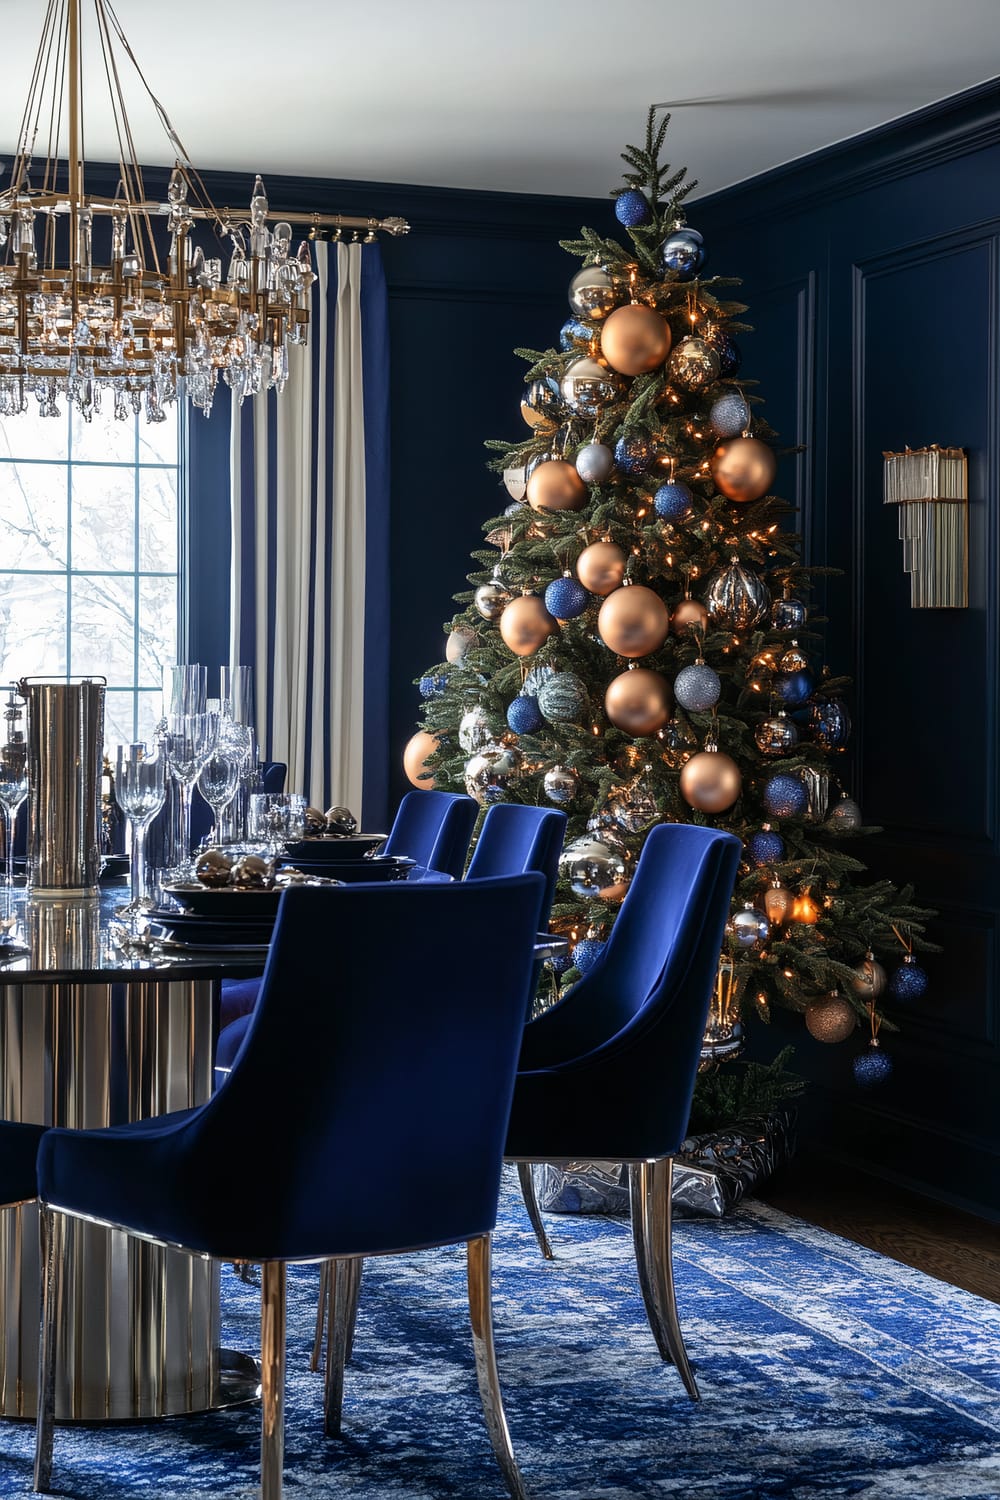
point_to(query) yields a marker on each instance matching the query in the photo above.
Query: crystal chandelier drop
(148, 325)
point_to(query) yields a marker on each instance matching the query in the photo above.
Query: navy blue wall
(871, 271)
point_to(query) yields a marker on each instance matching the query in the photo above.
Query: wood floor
(945, 1242)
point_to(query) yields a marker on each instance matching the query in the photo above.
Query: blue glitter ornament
(566, 598)
(586, 953)
(672, 502)
(631, 209)
(785, 797)
(573, 333)
(793, 687)
(909, 981)
(729, 416)
(524, 716)
(766, 847)
(872, 1067)
(730, 357)
(697, 688)
(830, 724)
(432, 687)
(683, 253)
(634, 454)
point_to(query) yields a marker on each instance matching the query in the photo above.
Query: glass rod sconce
(930, 487)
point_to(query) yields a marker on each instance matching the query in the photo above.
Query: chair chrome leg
(481, 1317)
(639, 1185)
(52, 1235)
(273, 1278)
(324, 1290)
(661, 1269)
(527, 1182)
(346, 1277)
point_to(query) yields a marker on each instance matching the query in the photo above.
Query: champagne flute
(189, 741)
(141, 790)
(185, 688)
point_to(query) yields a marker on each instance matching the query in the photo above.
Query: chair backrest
(272, 775)
(516, 838)
(367, 1108)
(434, 828)
(668, 935)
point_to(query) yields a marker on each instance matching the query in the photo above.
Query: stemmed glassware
(189, 740)
(220, 775)
(13, 779)
(140, 787)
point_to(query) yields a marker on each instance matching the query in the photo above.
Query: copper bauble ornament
(462, 640)
(635, 339)
(831, 1019)
(869, 978)
(633, 621)
(805, 909)
(601, 567)
(417, 750)
(694, 364)
(555, 485)
(689, 614)
(737, 598)
(711, 781)
(491, 599)
(778, 903)
(525, 624)
(744, 469)
(638, 701)
(587, 386)
(592, 294)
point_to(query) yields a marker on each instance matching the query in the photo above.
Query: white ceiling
(517, 95)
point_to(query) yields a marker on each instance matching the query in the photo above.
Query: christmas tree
(642, 649)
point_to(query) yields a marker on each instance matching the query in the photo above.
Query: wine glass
(13, 782)
(189, 740)
(218, 779)
(141, 790)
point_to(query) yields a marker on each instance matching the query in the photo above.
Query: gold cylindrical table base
(139, 1332)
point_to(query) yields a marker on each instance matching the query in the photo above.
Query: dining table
(98, 1029)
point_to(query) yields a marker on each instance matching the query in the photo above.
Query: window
(89, 545)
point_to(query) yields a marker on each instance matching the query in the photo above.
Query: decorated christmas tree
(638, 645)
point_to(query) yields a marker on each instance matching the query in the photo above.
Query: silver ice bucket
(65, 735)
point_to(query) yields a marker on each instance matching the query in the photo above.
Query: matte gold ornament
(694, 364)
(778, 903)
(555, 485)
(592, 294)
(635, 339)
(869, 978)
(414, 757)
(638, 701)
(587, 386)
(525, 624)
(633, 621)
(689, 614)
(831, 1019)
(461, 640)
(711, 781)
(744, 469)
(601, 567)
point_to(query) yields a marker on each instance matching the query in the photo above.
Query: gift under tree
(640, 648)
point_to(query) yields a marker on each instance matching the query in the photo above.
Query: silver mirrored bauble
(516, 482)
(776, 736)
(592, 294)
(489, 773)
(474, 729)
(736, 598)
(632, 807)
(542, 397)
(817, 785)
(561, 784)
(594, 463)
(490, 599)
(563, 699)
(730, 415)
(588, 386)
(679, 743)
(748, 928)
(846, 816)
(693, 364)
(594, 865)
(794, 659)
(697, 688)
(788, 614)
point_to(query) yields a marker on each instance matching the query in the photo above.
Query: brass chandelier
(143, 332)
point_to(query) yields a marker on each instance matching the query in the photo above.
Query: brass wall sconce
(931, 488)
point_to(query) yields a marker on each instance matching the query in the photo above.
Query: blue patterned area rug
(825, 1371)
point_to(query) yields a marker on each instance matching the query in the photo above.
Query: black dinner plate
(225, 901)
(352, 871)
(334, 846)
(207, 932)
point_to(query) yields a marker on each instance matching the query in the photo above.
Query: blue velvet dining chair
(18, 1151)
(608, 1073)
(384, 1133)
